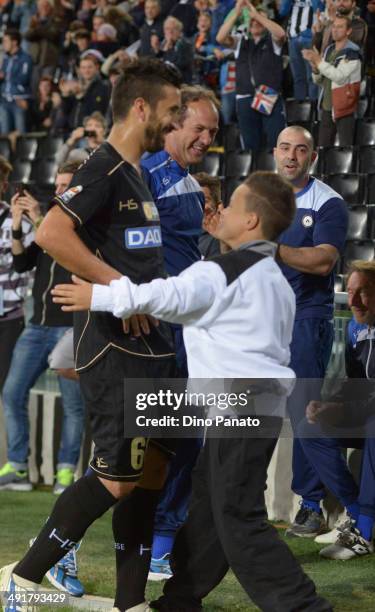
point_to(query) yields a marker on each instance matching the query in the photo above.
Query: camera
(89, 133)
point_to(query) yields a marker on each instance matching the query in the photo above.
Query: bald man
(308, 252)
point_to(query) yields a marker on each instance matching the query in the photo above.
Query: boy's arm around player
(180, 299)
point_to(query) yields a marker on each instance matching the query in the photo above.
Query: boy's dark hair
(14, 35)
(212, 183)
(82, 34)
(69, 167)
(272, 197)
(5, 169)
(143, 78)
(195, 93)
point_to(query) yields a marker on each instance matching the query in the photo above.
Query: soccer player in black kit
(104, 226)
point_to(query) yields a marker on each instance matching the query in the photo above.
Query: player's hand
(138, 324)
(75, 297)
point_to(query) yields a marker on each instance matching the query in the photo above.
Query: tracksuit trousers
(227, 526)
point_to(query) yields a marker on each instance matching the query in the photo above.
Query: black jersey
(118, 221)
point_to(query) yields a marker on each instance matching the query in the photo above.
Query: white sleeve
(180, 299)
(338, 74)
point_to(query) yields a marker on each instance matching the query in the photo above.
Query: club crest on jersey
(150, 210)
(70, 193)
(143, 237)
(307, 221)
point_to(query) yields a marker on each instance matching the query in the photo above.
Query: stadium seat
(44, 171)
(358, 219)
(26, 147)
(298, 112)
(211, 164)
(371, 189)
(365, 132)
(367, 159)
(48, 147)
(350, 186)
(5, 149)
(21, 171)
(237, 164)
(337, 159)
(229, 186)
(231, 138)
(364, 249)
(362, 107)
(339, 284)
(264, 161)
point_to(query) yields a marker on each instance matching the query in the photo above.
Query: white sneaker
(349, 544)
(331, 536)
(17, 591)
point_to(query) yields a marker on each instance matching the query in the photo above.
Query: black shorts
(116, 457)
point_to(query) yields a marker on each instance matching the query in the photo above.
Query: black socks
(133, 527)
(75, 510)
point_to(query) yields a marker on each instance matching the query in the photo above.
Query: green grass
(350, 586)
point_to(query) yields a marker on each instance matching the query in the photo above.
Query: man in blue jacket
(347, 412)
(15, 76)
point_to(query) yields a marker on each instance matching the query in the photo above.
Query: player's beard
(155, 134)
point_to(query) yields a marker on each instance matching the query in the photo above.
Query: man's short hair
(345, 18)
(82, 34)
(195, 93)
(5, 169)
(143, 78)
(301, 130)
(212, 183)
(272, 198)
(176, 22)
(96, 116)
(362, 267)
(69, 167)
(14, 35)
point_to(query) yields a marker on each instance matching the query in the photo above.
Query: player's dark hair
(14, 35)
(143, 78)
(272, 198)
(212, 183)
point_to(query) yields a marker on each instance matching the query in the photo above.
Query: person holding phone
(83, 140)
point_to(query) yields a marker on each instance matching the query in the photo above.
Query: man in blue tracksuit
(180, 203)
(354, 537)
(308, 252)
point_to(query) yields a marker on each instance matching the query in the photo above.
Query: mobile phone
(20, 189)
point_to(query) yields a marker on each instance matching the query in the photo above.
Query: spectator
(127, 32)
(15, 76)
(186, 12)
(302, 14)
(323, 28)
(339, 74)
(90, 93)
(44, 35)
(6, 17)
(174, 48)
(83, 140)
(259, 73)
(30, 357)
(106, 40)
(152, 26)
(41, 106)
(207, 55)
(12, 284)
